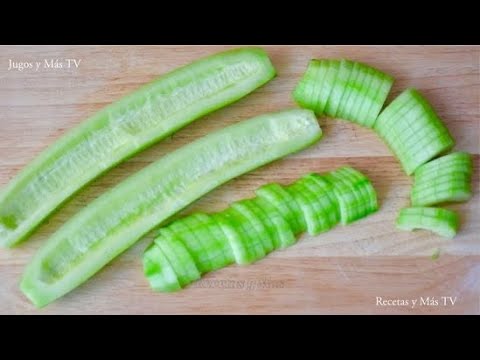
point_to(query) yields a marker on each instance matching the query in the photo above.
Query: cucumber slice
(241, 234)
(179, 258)
(342, 73)
(377, 104)
(348, 97)
(440, 221)
(159, 271)
(416, 137)
(283, 235)
(461, 161)
(124, 128)
(369, 90)
(355, 194)
(317, 221)
(342, 84)
(285, 204)
(118, 218)
(214, 246)
(249, 222)
(325, 197)
(322, 69)
(328, 85)
(261, 232)
(357, 88)
(453, 187)
(186, 230)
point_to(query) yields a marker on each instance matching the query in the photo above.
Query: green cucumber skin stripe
(124, 128)
(117, 219)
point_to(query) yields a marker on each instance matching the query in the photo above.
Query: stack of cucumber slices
(345, 89)
(409, 126)
(250, 229)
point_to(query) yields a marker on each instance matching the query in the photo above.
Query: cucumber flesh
(440, 221)
(159, 271)
(118, 218)
(124, 128)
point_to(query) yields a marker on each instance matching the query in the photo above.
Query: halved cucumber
(440, 221)
(417, 136)
(118, 218)
(124, 128)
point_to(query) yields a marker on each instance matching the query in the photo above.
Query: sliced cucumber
(159, 271)
(355, 194)
(417, 135)
(282, 232)
(346, 89)
(285, 204)
(254, 221)
(440, 221)
(118, 218)
(250, 224)
(124, 128)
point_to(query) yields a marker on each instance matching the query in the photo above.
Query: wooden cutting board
(353, 269)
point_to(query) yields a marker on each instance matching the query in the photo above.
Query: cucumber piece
(249, 222)
(159, 271)
(329, 84)
(179, 258)
(215, 246)
(377, 104)
(355, 194)
(124, 128)
(416, 137)
(461, 161)
(186, 230)
(440, 221)
(349, 95)
(261, 232)
(311, 217)
(241, 235)
(325, 197)
(317, 221)
(285, 204)
(118, 218)
(343, 88)
(452, 187)
(338, 87)
(282, 233)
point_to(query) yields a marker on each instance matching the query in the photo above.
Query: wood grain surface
(345, 270)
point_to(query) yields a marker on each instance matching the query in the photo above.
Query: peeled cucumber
(124, 128)
(118, 218)
(343, 88)
(440, 221)
(412, 130)
(318, 203)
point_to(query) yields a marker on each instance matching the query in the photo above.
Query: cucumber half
(117, 219)
(440, 221)
(124, 128)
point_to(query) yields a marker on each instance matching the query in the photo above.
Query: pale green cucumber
(118, 218)
(124, 128)
(440, 221)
